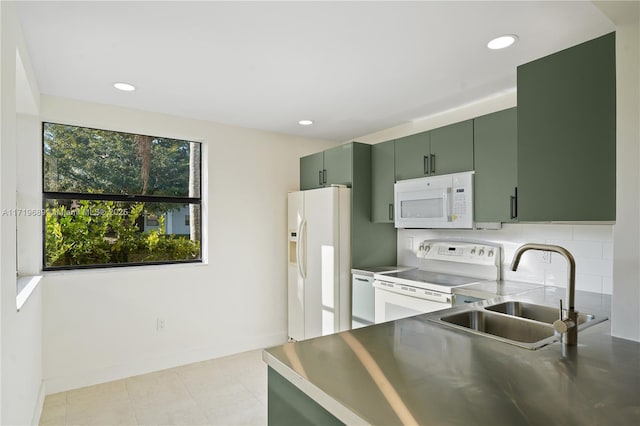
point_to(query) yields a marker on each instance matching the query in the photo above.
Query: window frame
(114, 197)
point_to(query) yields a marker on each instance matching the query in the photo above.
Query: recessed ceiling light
(125, 87)
(502, 41)
(305, 122)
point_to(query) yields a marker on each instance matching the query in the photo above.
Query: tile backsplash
(591, 246)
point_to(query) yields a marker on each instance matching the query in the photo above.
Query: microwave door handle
(447, 202)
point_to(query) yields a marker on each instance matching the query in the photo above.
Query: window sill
(26, 285)
(123, 269)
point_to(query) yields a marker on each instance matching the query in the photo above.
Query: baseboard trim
(151, 364)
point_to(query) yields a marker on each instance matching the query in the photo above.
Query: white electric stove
(443, 266)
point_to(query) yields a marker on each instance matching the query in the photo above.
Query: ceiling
(352, 67)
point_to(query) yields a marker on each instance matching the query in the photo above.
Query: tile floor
(225, 391)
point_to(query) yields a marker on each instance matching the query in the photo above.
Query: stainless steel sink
(534, 312)
(528, 334)
(518, 323)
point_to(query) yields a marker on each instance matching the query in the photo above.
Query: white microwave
(444, 201)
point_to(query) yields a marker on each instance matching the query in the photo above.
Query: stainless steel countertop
(492, 289)
(413, 370)
(369, 271)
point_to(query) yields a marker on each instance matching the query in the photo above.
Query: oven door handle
(383, 285)
(434, 296)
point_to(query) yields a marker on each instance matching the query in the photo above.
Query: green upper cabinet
(337, 165)
(333, 166)
(382, 180)
(567, 134)
(452, 149)
(311, 168)
(411, 156)
(445, 150)
(350, 164)
(495, 138)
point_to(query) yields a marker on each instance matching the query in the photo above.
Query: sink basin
(518, 323)
(534, 312)
(529, 334)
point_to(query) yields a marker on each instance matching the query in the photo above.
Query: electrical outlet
(545, 257)
(161, 325)
(410, 243)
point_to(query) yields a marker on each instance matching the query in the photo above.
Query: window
(117, 199)
(152, 220)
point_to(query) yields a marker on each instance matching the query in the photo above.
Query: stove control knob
(490, 254)
(473, 250)
(481, 252)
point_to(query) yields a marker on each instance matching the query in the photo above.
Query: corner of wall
(21, 392)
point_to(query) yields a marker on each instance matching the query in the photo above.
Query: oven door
(394, 301)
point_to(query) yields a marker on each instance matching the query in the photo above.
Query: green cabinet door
(288, 405)
(338, 165)
(350, 164)
(452, 148)
(567, 134)
(311, 168)
(382, 180)
(495, 139)
(412, 156)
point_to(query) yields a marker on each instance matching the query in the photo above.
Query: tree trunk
(143, 149)
(194, 190)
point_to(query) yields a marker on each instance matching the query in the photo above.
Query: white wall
(7, 144)
(626, 269)
(498, 102)
(28, 194)
(591, 246)
(100, 325)
(21, 393)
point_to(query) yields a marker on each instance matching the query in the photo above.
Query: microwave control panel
(461, 200)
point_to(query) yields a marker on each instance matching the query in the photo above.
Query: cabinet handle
(425, 164)
(362, 279)
(514, 203)
(390, 211)
(324, 176)
(319, 177)
(433, 164)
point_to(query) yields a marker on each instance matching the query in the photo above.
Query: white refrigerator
(319, 262)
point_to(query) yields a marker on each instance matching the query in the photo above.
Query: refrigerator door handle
(302, 253)
(299, 249)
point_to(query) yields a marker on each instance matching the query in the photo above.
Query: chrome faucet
(568, 325)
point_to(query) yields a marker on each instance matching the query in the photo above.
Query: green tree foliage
(79, 159)
(92, 232)
(105, 232)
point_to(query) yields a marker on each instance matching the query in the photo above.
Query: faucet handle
(562, 325)
(558, 324)
(562, 313)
